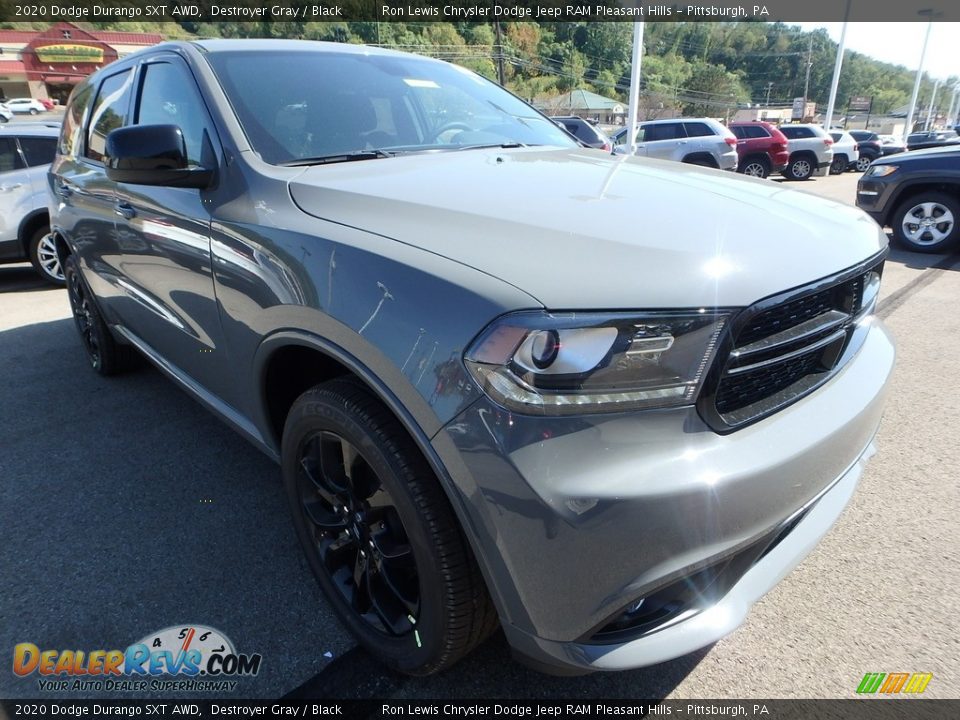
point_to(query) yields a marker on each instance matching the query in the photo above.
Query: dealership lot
(126, 508)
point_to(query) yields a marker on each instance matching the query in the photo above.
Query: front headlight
(575, 363)
(880, 170)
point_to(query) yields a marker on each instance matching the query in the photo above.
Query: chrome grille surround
(784, 347)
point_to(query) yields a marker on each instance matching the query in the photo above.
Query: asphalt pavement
(126, 508)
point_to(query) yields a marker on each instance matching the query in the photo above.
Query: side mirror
(152, 155)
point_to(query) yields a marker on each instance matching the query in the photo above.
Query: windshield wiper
(504, 146)
(339, 157)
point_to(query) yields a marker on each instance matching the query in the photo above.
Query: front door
(168, 230)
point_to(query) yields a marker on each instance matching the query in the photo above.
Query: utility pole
(500, 77)
(806, 83)
(837, 65)
(632, 111)
(769, 86)
(926, 125)
(908, 128)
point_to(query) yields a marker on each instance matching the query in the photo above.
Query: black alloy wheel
(379, 532)
(106, 355)
(358, 534)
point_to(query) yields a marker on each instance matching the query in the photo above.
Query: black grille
(753, 387)
(784, 347)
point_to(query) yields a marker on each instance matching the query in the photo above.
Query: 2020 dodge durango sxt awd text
(496, 393)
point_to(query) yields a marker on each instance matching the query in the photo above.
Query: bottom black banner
(854, 709)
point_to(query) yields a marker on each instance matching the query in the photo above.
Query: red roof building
(48, 63)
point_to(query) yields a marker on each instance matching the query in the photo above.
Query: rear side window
(698, 129)
(796, 133)
(73, 122)
(740, 132)
(666, 131)
(9, 157)
(836, 136)
(756, 131)
(109, 112)
(584, 131)
(38, 150)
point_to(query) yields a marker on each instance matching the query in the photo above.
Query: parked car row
(26, 151)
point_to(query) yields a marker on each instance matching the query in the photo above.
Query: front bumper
(574, 519)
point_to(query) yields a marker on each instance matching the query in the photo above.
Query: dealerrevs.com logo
(178, 658)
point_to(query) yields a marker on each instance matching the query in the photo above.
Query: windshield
(303, 105)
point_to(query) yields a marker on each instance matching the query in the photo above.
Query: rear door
(166, 234)
(666, 140)
(85, 198)
(15, 192)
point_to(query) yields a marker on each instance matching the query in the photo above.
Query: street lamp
(837, 64)
(932, 15)
(933, 98)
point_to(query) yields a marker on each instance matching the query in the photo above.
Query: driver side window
(169, 96)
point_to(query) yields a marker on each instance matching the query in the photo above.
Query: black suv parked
(585, 131)
(918, 195)
(870, 147)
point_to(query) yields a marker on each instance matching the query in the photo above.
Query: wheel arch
(909, 190)
(31, 222)
(695, 158)
(284, 345)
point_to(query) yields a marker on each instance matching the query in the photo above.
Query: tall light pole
(926, 124)
(837, 64)
(908, 128)
(953, 102)
(634, 88)
(769, 86)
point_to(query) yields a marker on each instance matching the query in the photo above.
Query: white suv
(846, 152)
(811, 151)
(26, 151)
(25, 105)
(698, 141)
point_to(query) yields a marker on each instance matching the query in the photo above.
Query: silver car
(26, 150)
(697, 141)
(500, 389)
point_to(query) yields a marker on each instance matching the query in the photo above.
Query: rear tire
(43, 257)
(379, 533)
(839, 165)
(106, 355)
(928, 222)
(863, 162)
(799, 168)
(755, 167)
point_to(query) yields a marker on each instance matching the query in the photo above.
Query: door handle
(10, 188)
(125, 210)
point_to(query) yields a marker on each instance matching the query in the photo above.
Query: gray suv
(26, 151)
(494, 395)
(697, 141)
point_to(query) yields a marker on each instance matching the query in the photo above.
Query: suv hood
(578, 229)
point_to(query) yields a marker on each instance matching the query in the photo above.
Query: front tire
(34, 111)
(928, 223)
(379, 533)
(800, 168)
(106, 355)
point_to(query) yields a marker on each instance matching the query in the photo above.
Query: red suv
(761, 148)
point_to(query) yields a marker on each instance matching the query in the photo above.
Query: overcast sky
(900, 43)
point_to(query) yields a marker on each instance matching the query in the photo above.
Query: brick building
(48, 63)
